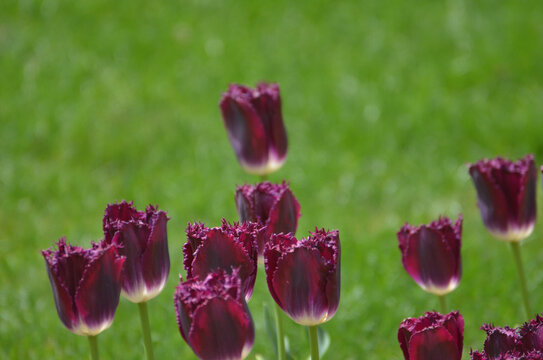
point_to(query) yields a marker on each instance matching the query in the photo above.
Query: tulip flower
(304, 277)
(506, 193)
(86, 285)
(254, 124)
(225, 247)
(523, 343)
(432, 336)
(272, 205)
(213, 317)
(143, 240)
(431, 254)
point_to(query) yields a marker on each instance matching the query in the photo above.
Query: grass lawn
(384, 102)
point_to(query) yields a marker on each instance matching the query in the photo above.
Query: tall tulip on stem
(304, 278)
(143, 240)
(506, 196)
(431, 255)
(86, 286)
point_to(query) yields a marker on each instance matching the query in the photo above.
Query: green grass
(384, 103)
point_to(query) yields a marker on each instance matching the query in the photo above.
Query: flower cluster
(522, 343)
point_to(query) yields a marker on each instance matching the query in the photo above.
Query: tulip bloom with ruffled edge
(86, 285)
(432, 336)
(144, 242)
(225, 247)
(506, 196)
(304, 276)
(143, 239)
(254, 124)
(213, 317)
(431, 254)
(272, 205)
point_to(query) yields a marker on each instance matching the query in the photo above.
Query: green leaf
(271, 329)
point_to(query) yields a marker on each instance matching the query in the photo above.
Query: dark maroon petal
(244, 203)
(404, 335)
(131, 248)
(272, 253)
(220, 251)
(475, 355)
(184, 316)
(430, 261)
(221, 329)
(245, 130)
(66, 309)
(527, 197)
(500, 340)
(433, 344)
(98, 294)
(454, 323)
(268, 105)
(156, 258)
(299, 282)
(531, 334)
(266, 195)
(284, 214)
(490, 199)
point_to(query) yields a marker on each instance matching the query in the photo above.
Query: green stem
(515, 246)
(313, 342)
(443, 304)
(93, 343)
(144, 317)
(280, 337)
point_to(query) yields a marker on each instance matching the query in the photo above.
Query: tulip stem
(515, 246)
(443, 304)
(313, 342)
(93, 343)
(280, 337)
(144, 317)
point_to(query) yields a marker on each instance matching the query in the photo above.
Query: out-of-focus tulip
(225, 247)
(86, 285)
(522, 343)
(431, 254)
(213, 316)
(254, 124)
(506, 196)
(304, 276)
(143, 241)
(272, 205)
(432, 336)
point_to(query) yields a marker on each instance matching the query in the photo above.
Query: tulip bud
(143, 241)
(431, 254)
(432, 336)
(86, 285)
(254, 124)
(506, 196)
(214, 318)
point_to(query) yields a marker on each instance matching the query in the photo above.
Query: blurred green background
(384, 102)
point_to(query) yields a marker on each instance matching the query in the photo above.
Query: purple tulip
(304, 276)
(272, 205)
(255, 127)
(506, 193)
(431, 254)
(213, 316)
(86, 285)
(143, 241)
(432, 336)
(225, 247)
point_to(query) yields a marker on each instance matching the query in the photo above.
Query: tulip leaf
(271, 329)
(324, 341)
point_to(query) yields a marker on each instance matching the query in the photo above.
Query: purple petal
(156, 259)
(500, 341)
(98, 294)
(221, 329)
(284, 214)
(432, 344)
(272, 253)
(244, 203)
(299, 282)
(245, 130)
